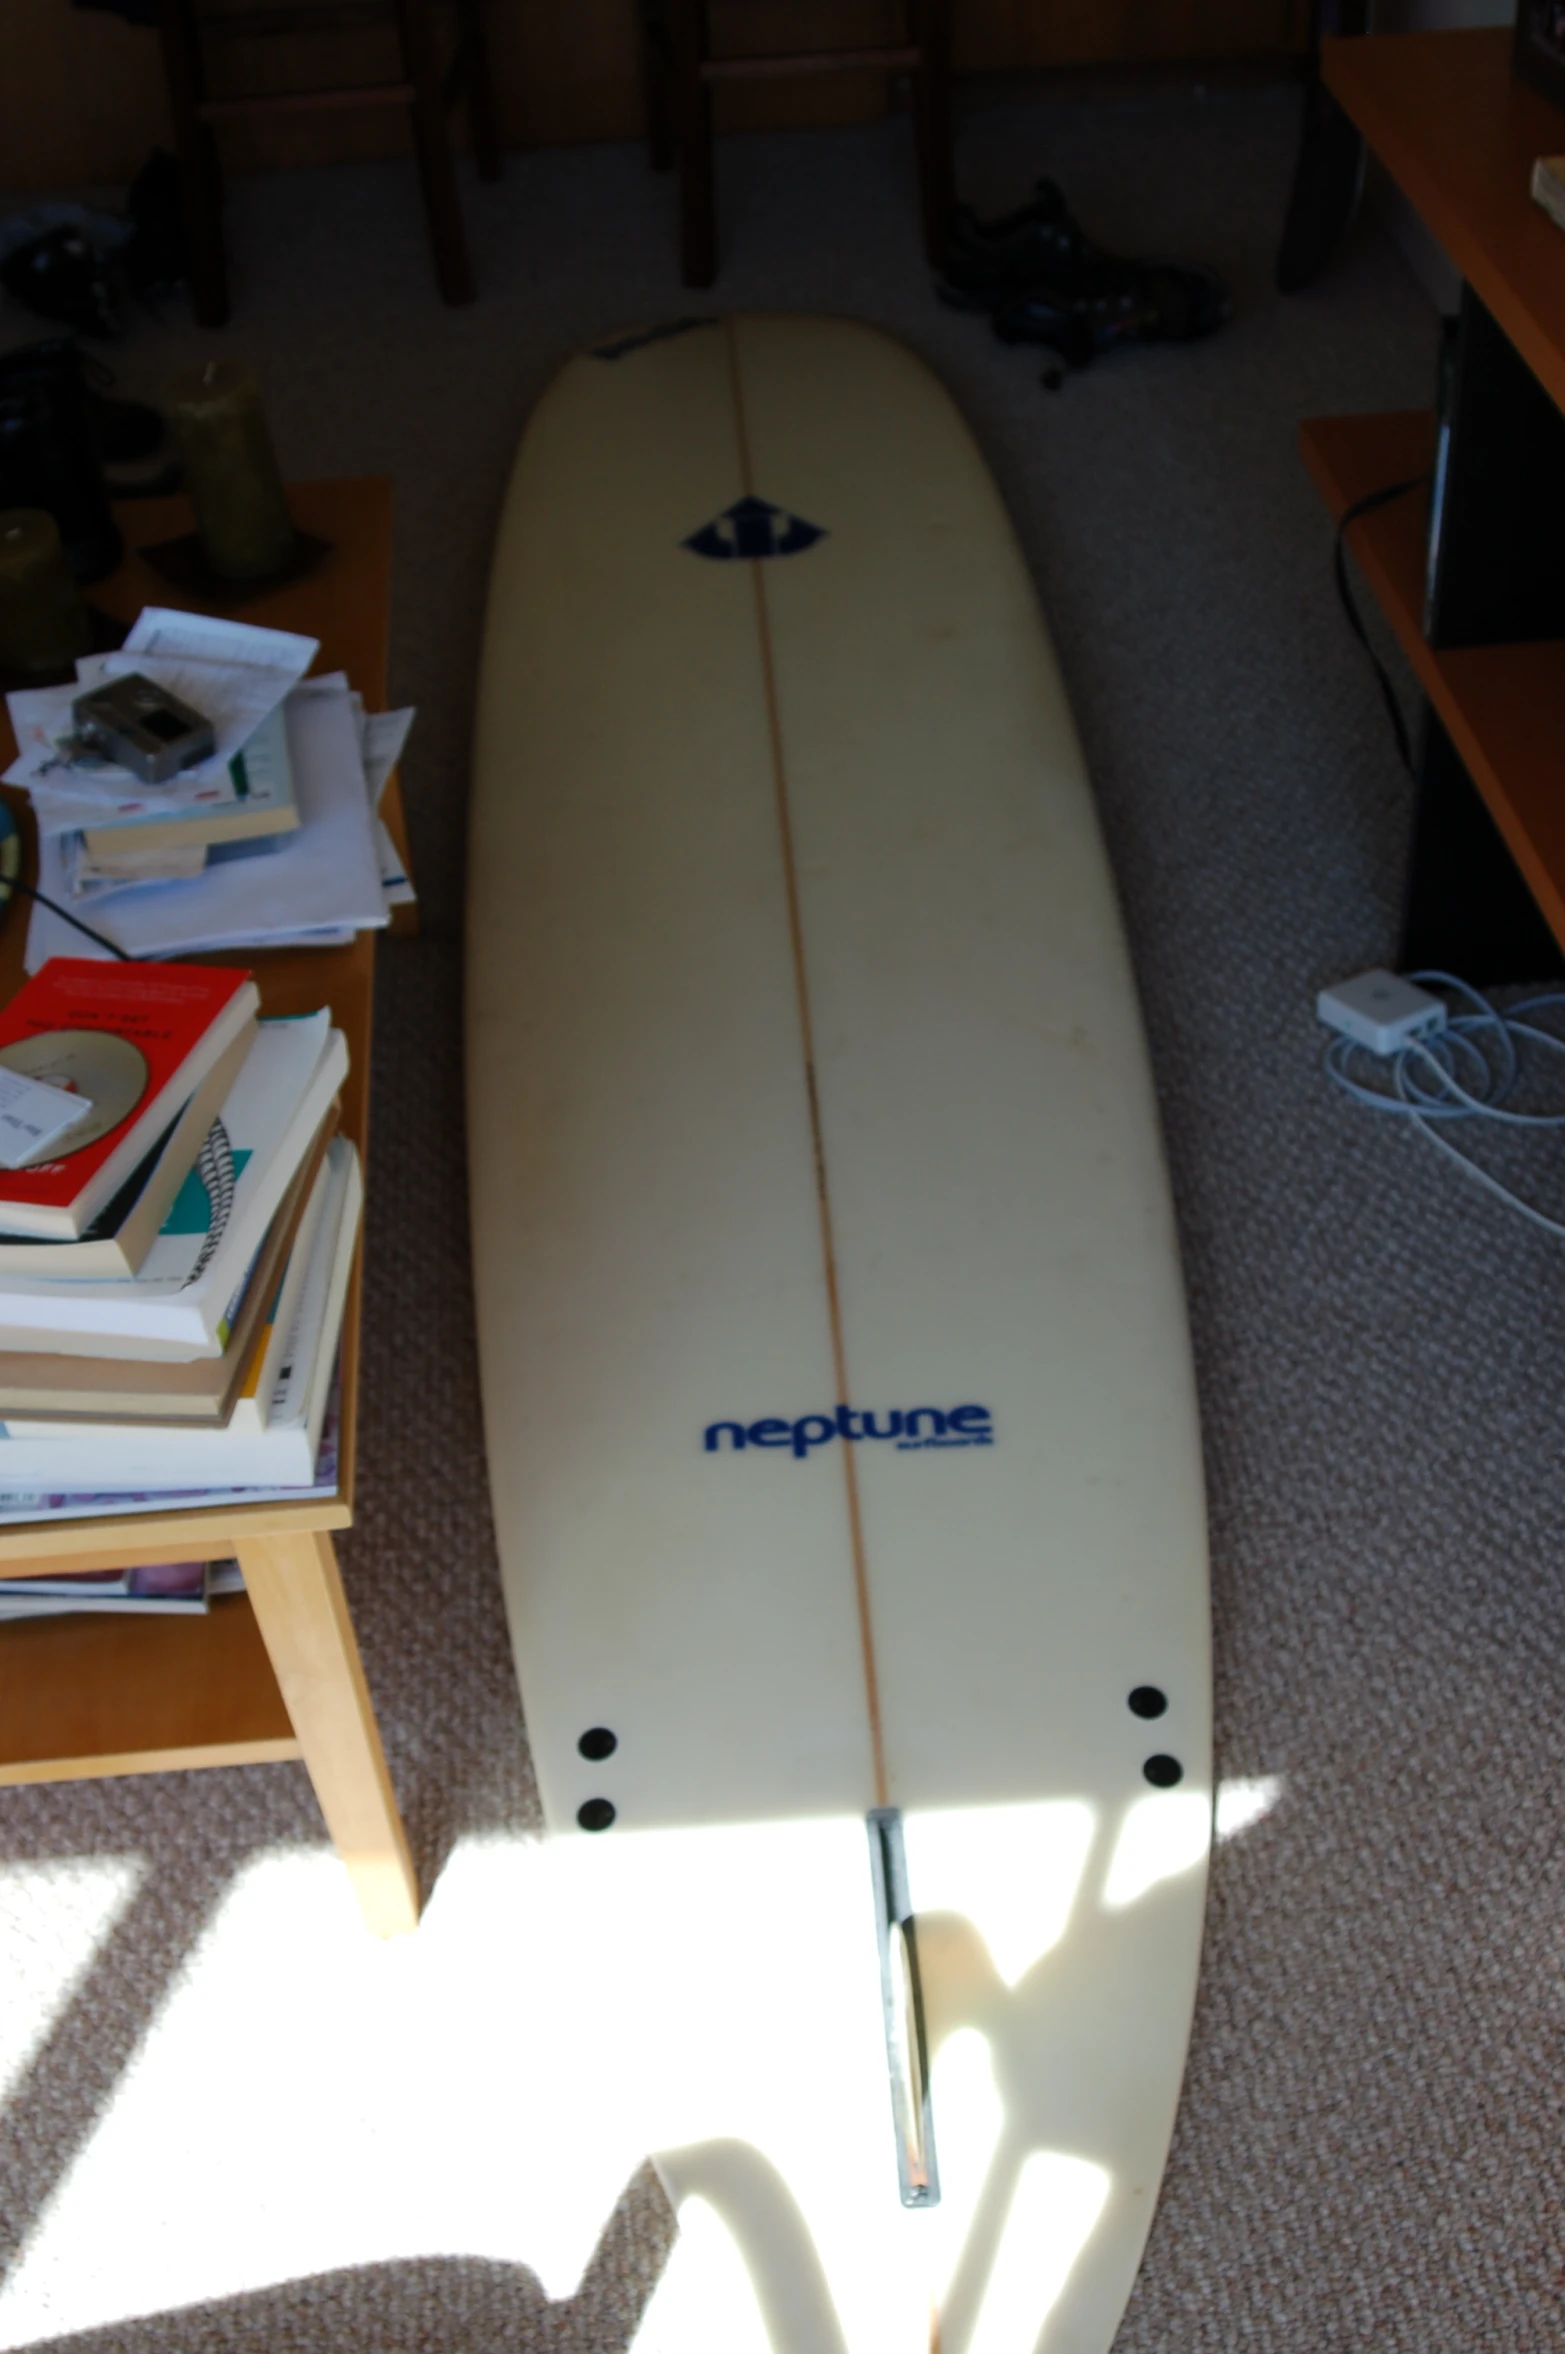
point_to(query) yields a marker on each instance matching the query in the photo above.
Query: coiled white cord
(1466, 1071)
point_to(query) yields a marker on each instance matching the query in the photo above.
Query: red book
(136, 1040)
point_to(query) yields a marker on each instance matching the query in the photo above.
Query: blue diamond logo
(753, 528)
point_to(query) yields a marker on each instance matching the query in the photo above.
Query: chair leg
(200, 179)
(483, 120)
(693, 122)
(453, 271)
(931, 26)
(656, 79)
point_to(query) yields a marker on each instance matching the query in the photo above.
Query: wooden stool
(679, 73)
(421, 87)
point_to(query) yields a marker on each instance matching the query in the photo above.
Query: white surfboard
(837, 1387)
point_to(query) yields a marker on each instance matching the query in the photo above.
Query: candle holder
(45, 623)
(244, 542)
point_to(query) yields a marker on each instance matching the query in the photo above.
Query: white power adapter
(1381, 1011)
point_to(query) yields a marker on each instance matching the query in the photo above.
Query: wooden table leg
(296, 1592)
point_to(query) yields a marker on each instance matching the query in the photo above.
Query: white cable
(1424, 1087)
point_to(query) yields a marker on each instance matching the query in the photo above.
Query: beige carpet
(229, 2121)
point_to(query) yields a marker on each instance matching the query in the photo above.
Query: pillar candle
(231, 471)
(44, 623)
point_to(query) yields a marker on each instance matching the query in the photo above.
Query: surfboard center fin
(902, 2005)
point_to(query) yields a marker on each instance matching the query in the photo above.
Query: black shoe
(61, 275)
(1047, 211)
(1069, 328)
(1043, 245)
(1037, 272)
(1157, 302)
(136, 452)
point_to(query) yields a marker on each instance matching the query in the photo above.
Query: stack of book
(175, 1253)
(271, 838)
(136, 839)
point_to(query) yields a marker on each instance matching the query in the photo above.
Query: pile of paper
(274, 840)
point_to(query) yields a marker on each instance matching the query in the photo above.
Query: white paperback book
(309, 1378)
(247, 1452)
(177, 1304)
(252, 1409)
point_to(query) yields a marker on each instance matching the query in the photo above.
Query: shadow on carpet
(455, 2304)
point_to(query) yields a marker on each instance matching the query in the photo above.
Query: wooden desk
(275, 1672)
(1458, 133)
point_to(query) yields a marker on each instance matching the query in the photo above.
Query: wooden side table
(274, 1672)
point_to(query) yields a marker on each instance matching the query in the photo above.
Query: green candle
(44, 623)
(231, 470)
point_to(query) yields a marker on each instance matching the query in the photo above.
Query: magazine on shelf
(175, 1588)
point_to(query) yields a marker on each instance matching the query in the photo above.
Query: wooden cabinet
(1458, 133)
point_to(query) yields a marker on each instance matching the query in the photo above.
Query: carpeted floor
(1368, 2153)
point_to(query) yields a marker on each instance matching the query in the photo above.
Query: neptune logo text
(907, 1428)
